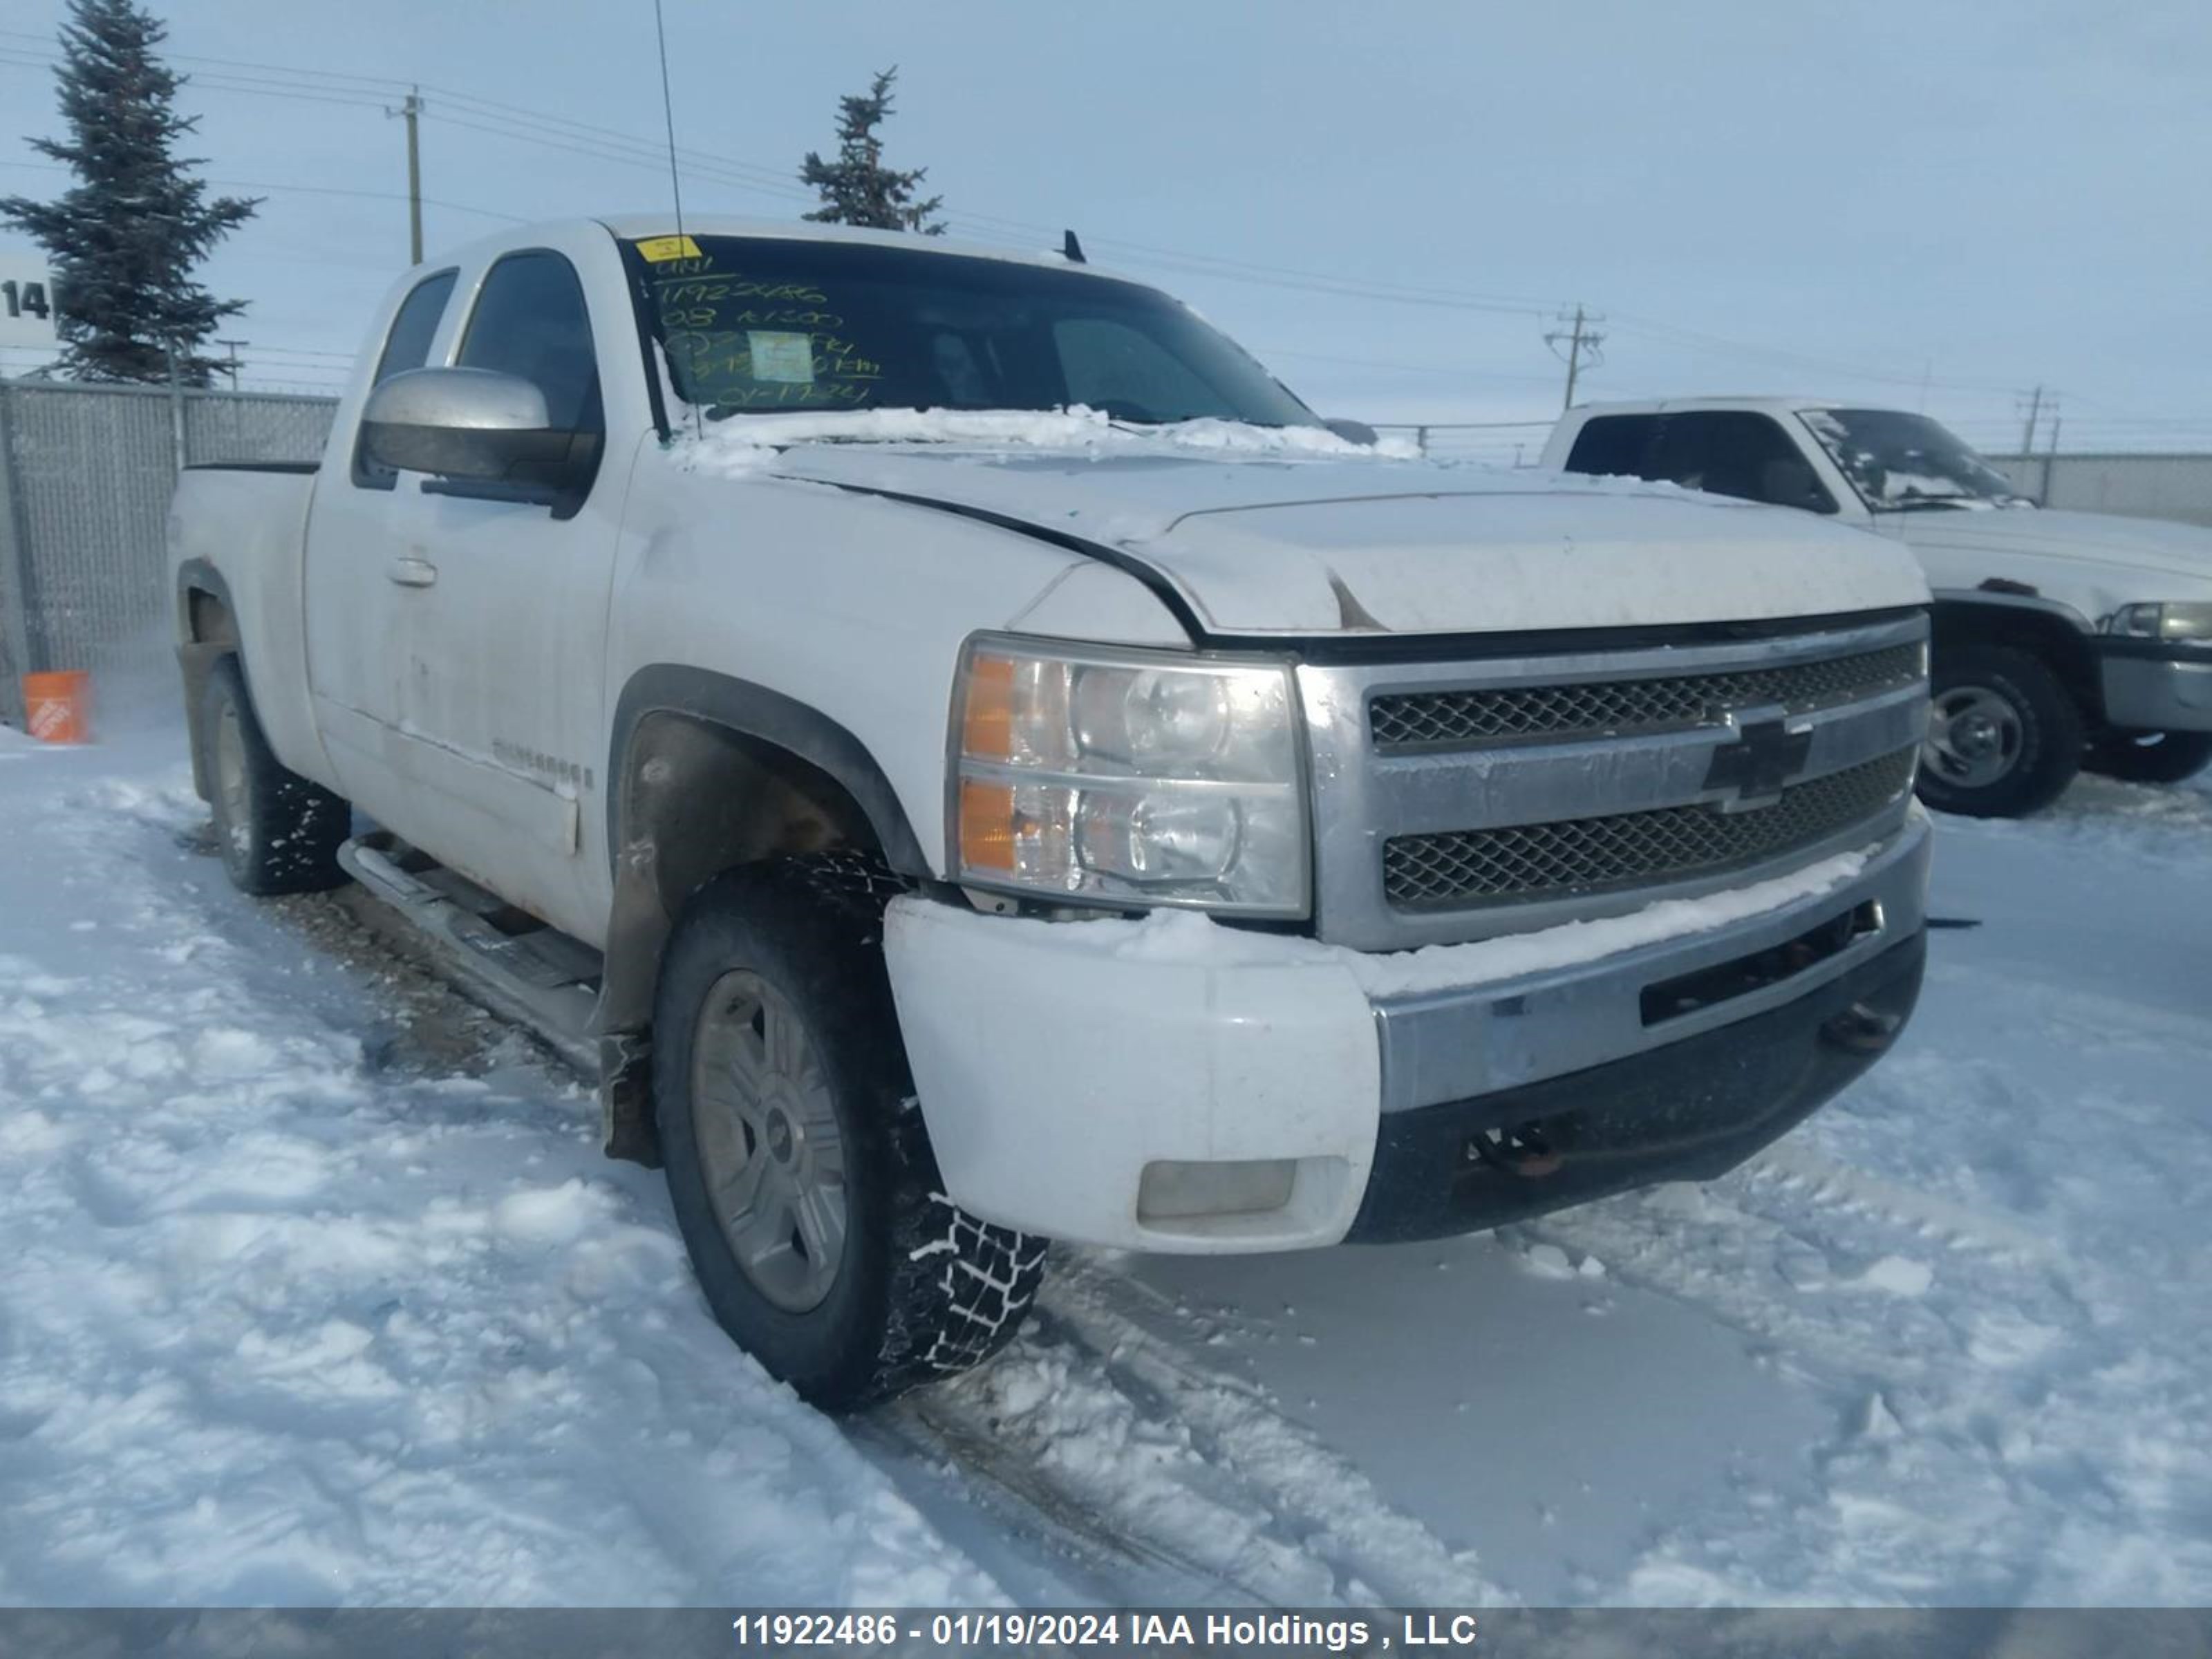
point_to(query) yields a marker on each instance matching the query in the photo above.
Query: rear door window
(1614, 446)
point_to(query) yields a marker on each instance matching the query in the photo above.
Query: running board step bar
(513, 964)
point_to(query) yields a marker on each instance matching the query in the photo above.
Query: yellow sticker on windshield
(659, 250)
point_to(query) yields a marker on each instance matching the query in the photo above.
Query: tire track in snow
(1093, 1414)
(1983, 1256)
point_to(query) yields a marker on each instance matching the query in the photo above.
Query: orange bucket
(58, 707)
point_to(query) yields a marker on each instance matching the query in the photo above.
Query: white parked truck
(970, 759)
(2060, 639)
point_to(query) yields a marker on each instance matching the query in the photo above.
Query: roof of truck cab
(636, 226)
(1765, 403)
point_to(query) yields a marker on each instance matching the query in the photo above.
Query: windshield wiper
(1929, 503)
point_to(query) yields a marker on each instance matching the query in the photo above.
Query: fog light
(1172, 1191)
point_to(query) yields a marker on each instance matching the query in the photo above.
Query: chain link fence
(85, 477)
(86, 473)
(1491, 443)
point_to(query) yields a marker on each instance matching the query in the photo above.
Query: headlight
(1128, 777)
(2162, 622)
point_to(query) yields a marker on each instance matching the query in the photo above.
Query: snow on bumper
(1174, 1085)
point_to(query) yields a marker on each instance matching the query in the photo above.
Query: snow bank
(750, 443)
(295, 1316)
(15, 744)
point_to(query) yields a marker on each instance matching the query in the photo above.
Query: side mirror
(472, 424)
(1354, 432)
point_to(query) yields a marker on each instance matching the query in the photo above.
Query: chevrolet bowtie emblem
(1757, 763)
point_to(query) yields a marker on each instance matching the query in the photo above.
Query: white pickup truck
(969, 757)
(2060, 639)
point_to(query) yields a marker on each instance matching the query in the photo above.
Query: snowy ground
(319, 1291)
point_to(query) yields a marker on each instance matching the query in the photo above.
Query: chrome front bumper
(2150, 686)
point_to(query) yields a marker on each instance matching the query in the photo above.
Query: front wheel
(797, 1163)
(2004, 737)
(2149, 757)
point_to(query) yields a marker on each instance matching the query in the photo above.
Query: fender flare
(755, 711)
(2005, 599)
(2058, 634)
(198, 576)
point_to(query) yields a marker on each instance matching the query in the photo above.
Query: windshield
(762, 324)
(1898, 462)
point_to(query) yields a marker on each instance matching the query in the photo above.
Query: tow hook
(1523, 1151)
(1862, 1028)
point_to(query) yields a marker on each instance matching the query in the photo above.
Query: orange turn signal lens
(986, 725)
(987, 824)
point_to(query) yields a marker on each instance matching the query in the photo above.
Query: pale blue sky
(1764, 195)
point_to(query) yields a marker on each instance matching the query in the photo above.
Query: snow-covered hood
(1314, 536)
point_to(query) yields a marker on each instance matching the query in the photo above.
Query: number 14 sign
(27, 302)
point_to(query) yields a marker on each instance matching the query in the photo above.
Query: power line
(562, 133)
(494, 118)
(1630, 323)
(584, 138)
(652, 161)
(18, 59)
(1448, 371)
(491, 107)
(310, 189)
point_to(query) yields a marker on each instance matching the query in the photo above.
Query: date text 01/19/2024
(1110, 1631)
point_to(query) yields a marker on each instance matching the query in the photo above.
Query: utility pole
(410, 112)
(2034, 409)
(1581, 338)
(231, 368)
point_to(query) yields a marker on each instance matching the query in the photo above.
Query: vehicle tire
(2148, 756)
(797, 1159)
(2004, 737)
(275, 831)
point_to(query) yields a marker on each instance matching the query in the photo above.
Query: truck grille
(1523, 862)
(1447, 719)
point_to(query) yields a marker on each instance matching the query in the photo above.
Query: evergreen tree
(125, 240)
(857, 188)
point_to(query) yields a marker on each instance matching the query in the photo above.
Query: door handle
(410, 571)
